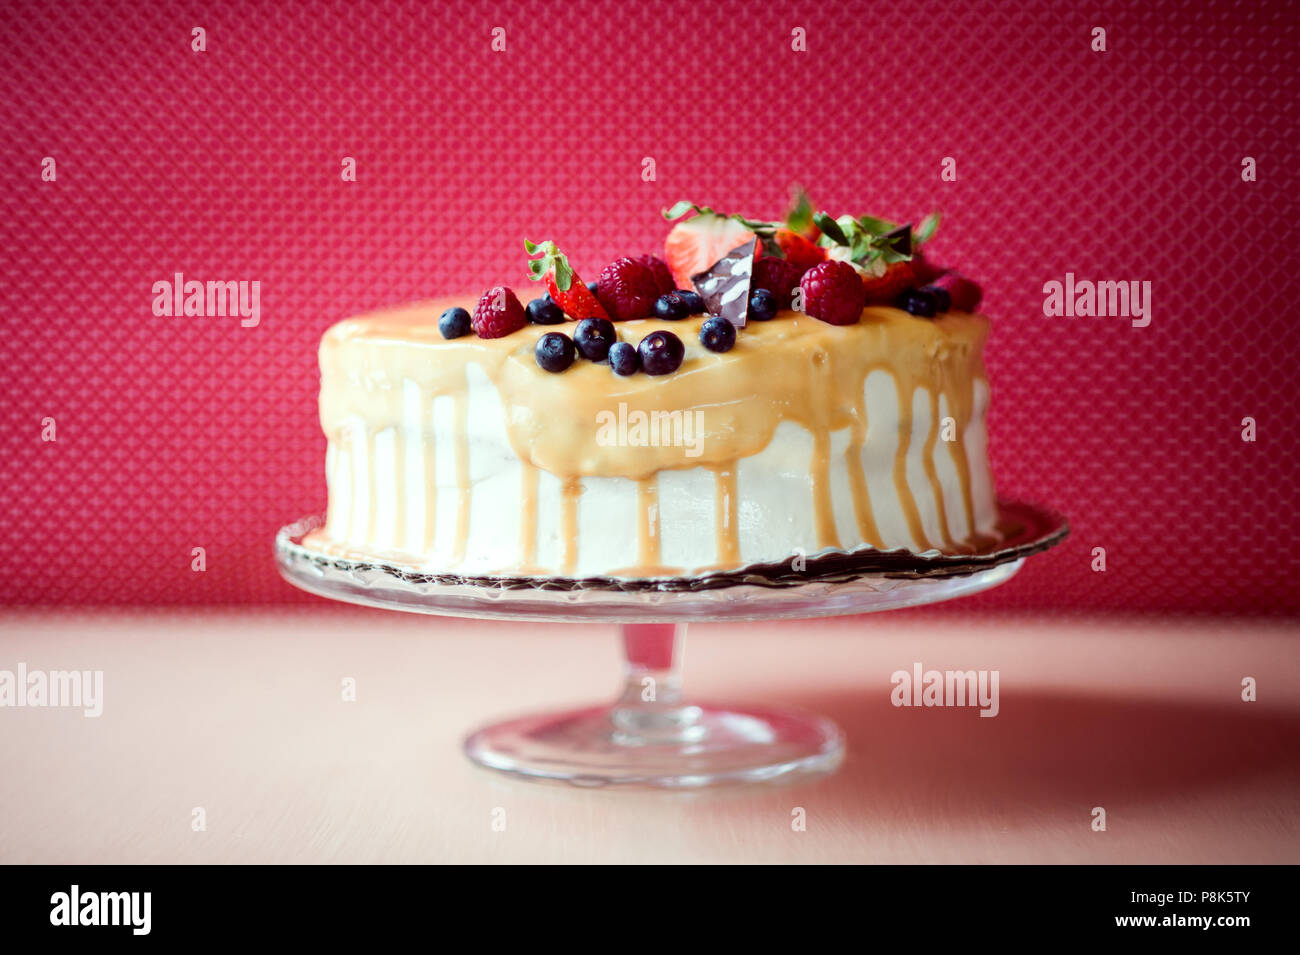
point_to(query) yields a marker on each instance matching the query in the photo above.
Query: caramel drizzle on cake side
(793, 368)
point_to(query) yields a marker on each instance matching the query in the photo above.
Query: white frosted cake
(498, 445)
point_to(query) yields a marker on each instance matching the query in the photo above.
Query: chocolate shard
(900, 240)
(724, 287)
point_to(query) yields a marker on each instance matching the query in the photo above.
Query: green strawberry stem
(552, 260)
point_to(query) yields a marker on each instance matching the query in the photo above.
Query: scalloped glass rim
(830, 585)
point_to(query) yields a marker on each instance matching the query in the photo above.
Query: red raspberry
(833, 292)
(498, 313)
(627, 290)
(778, 276)
(659, 269)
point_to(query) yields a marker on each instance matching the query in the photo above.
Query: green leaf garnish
(800, 217)
(830, 228)
(921, 234)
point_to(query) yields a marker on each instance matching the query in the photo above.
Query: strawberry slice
(562, 282)
(695, 244)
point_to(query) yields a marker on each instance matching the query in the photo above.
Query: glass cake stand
(650, 735)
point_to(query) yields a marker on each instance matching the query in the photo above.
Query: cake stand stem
(650, 735)
(650, 709)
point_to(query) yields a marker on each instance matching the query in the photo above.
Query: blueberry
(544, 311)
(454, 323)
(623, 358)
(593, 336)
(554, 351)
(942, 300)
(671, 307)
(661, 353)
(917, 301)
(762, 305)
(717, 334)
(692, 300)
(591, 287)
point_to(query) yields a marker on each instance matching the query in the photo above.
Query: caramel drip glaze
(793, 368)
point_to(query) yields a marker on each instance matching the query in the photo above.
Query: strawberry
(562, 282)
(799, 251)
(886, 255)
(698, 242)
(498, 313)
(883, 289)
(833, 292)
(963, 294)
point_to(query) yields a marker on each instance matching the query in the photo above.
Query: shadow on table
(1046, 748)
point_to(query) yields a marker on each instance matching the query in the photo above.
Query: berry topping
(778, 276)
(917, 301)
(454, 323)
(885, 254)
(498, 313)
(885, 289)
(833, 292)
(964, 294)
(661, 353)
(672, 307)
(925, 272)
(566, 289)
(800, 252)
(717, 334)
(942, 300)
(544, 311)
(659, 269)
(762, 305)
(623, 358)
(692, 300)
(594, 337)
(696, 243)
(627, 290)
(554, 351)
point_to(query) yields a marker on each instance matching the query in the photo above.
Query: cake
(783, 390)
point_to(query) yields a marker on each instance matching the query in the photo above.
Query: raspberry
(833, 292)
(627, 289)
(778, 276)
(498, 313)
(659, 269)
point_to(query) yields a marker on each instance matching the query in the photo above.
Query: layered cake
(763, 392)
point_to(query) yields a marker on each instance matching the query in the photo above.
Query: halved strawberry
(883, 289)
(562, 282)
(801, 252)
(697, 243)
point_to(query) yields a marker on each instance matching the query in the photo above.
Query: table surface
(243, 716)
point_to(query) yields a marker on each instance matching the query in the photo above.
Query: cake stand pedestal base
(650, 736)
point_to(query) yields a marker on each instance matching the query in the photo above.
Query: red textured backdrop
(183, 432)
